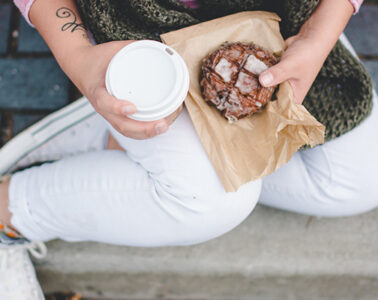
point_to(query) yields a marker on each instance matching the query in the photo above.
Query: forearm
(326, 24)
(60, 25)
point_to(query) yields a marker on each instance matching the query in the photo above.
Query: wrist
(75, 62)
(319, 46)
(325, 25)
(89, 67)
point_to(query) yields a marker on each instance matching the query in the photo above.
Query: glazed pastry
(229, 79)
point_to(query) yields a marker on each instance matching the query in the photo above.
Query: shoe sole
(43, 131)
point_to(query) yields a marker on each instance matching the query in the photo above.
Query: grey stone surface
(5, 14)
(36, 83)
(271, 255)
(21, 121)
(362, 30)
(29, 40)
(372, 67)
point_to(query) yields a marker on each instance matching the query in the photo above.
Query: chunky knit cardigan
(341, 95)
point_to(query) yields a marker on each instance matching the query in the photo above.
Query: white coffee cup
(152, 76)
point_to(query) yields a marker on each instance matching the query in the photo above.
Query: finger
(107, 103)
(277, 73)
(137, 129)
(143, 130)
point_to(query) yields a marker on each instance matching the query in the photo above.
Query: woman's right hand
(60, 25)
(88, 74)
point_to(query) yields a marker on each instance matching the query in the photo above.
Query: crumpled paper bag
(256, 146)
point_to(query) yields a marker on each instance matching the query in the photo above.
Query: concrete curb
(271, 255)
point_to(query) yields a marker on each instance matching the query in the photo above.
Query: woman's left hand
(307, 51)
(299, 65)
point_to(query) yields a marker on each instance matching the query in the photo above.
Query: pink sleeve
(356, 4)
(191, 3)
(24, 7)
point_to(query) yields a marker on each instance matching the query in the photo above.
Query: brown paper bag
(253, 147)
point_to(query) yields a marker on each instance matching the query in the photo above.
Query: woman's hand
(299, 65)
(89, 76)
(307, 51)
(60, 25)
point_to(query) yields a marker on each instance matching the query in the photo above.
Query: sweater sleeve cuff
(24, 7)
(356, 5)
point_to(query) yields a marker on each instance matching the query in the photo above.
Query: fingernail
(128, 110)
(266, 79)
(161, 128)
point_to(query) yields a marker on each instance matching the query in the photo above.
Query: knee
(216, 213)
(362, 199)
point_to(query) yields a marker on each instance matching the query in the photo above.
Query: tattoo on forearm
(72, 24)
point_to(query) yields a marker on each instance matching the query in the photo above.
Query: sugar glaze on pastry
(229, 79)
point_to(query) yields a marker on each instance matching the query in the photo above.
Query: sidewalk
(317, 258)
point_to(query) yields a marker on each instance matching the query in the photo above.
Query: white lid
(151, 75)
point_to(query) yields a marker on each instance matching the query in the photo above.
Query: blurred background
(332, 259)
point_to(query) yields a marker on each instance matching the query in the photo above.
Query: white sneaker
(73, 129)
(17, 275)
(18, 280)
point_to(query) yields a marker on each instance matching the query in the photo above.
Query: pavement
(271, 255)
(31, 83)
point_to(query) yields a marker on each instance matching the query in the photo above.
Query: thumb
(276, 74)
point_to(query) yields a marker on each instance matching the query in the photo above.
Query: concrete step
(272, 255)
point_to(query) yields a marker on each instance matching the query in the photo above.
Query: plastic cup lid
(151, 75)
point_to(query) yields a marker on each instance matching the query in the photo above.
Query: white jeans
(164, 191)
(338, 178)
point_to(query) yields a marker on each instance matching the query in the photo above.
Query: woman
(163, 190)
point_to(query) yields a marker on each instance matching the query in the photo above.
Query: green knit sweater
(340, 97)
